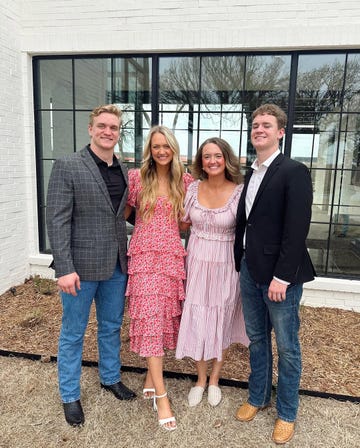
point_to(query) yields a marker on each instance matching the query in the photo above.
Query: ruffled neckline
(195, 186)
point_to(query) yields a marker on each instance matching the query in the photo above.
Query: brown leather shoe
(247, 412)
(283, 431)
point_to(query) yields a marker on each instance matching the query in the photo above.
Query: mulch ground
(30, 318)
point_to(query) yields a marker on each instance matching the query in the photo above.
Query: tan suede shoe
(247, 412)
(283, 431)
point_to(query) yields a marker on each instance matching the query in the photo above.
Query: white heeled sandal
(148, 393)
(163, 421)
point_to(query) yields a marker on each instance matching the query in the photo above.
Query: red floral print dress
(156, 275)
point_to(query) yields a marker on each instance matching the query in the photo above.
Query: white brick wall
(89, 26)
(13, 160)
(168, 25)
(333, 293)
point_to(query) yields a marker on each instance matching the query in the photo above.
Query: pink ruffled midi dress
(212, 317)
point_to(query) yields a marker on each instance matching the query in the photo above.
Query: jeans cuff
(110, 383)
(69, 400)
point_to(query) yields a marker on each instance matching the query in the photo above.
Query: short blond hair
(108, 108)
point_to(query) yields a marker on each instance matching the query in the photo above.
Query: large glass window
(204, 95)
(67, 90)
(179, 99)
(323, 138)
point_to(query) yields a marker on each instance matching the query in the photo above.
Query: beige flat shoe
(214, 395)
(195, 395)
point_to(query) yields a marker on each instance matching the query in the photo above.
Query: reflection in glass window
(57, 134)
(231, 118)
(267, 80)
(55, 88)
(222, 80)
(323, 187)
(334, 155)
(317, 145)
(220, 117)
(344, 249)
(202, 96)
(317, 243)
(179, 80)
(319, 82)
(132, 78)
(352, 84)
(81, 129)
(62, 109)
(305, 145)
(176, 117)
(92, 82)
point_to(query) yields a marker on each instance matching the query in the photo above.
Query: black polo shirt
(113, 178)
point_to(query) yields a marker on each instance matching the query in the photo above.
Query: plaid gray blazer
(86, 235)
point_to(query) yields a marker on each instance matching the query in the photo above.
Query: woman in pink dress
(212, 316)
(156, 260)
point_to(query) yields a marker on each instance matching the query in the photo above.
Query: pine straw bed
(30, 317)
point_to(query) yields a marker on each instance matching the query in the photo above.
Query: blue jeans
(109, 298)
(261, 315)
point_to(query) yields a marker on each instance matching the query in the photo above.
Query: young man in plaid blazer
(86, 199)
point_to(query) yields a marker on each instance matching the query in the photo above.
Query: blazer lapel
(241, 206)
(93, 168)
(125, 195)
(247, 180)
(268, 175)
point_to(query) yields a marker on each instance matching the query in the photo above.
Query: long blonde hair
(149, 177)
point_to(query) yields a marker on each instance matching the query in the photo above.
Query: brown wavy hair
(232, 164)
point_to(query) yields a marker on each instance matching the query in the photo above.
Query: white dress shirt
(259, 171)
(256, 179)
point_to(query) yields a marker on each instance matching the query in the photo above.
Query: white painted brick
(85, 26)
(13, 210)
(332, 293)
(262, 23)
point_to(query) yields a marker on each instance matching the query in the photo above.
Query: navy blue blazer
(278, 224)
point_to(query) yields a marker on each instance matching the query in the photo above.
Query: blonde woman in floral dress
(156, 260)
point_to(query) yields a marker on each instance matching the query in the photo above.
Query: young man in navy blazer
(273, 220)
